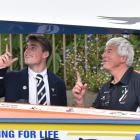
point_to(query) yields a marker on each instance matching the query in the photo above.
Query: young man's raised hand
(6, 59)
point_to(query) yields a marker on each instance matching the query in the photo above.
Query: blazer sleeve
(58, 92)
(62, 92)
(2, 75)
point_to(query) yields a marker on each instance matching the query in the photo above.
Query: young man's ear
(46, 54)
(138, 71)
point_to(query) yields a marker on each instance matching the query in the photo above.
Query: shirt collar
(33, 74)
(126, 76)
(125, 79)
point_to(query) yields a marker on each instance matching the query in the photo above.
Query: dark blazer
(15, 87)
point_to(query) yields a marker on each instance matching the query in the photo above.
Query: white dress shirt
(33, 98)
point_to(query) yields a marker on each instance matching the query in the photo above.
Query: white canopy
(118, 14)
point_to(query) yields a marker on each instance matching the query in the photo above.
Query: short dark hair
(46, 45)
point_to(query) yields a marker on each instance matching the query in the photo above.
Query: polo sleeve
(137, 89)
(96, 103)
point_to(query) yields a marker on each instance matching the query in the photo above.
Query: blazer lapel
(52, 87)
(24, 85)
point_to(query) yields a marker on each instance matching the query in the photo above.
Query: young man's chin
(27, 62)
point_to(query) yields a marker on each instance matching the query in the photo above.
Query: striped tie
(41, 91)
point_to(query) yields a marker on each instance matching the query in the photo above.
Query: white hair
(124, 48)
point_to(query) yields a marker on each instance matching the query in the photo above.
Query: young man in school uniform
(35, 84)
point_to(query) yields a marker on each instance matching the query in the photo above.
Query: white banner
(72, 110)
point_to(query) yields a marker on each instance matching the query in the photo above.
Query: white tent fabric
(70, 16)
(95, 13)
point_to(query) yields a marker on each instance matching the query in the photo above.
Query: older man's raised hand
(79, 91)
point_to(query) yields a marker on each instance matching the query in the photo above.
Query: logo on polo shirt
(105, 98)
(124, 92)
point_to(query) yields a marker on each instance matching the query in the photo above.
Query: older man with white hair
(122, 92)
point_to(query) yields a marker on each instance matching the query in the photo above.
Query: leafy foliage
(83, 53)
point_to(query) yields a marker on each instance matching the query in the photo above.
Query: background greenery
(81, 54)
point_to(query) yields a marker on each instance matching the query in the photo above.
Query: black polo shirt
(124, 95)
